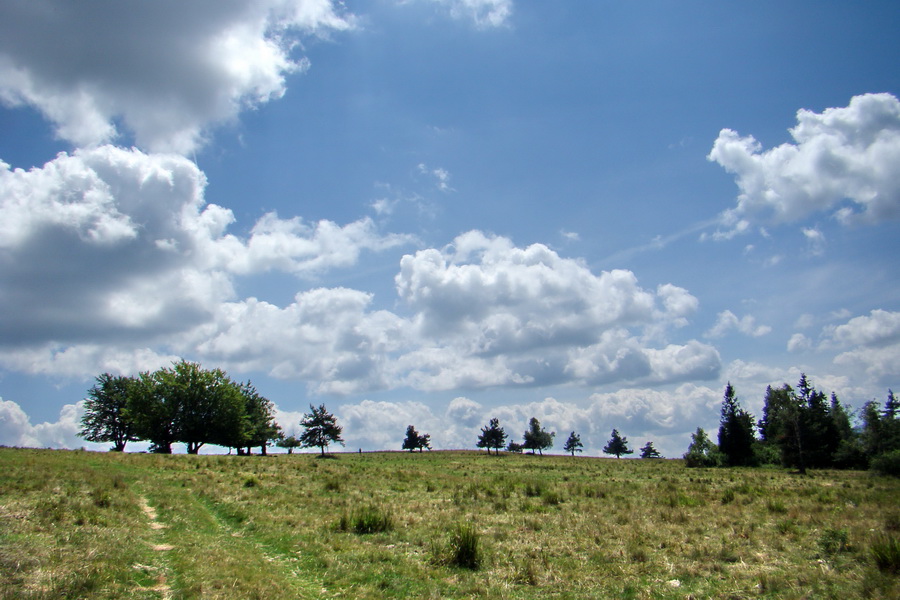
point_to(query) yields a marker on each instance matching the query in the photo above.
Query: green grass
(437, 525)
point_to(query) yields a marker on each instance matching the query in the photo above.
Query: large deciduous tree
(537, 438)
(492, 436)
(320, 429)
(106, 417)
(617, 445)
(261, 426)
(701, 452)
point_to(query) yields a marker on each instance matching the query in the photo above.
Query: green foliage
(885, 552)
(367, 520)
(573, 444)
(320, 429)
(414, 441)
(833, 541)
(465, 547)
(617, 445)
(106, 417)
(289, 443)
(736, 438)
(702, 452)
(260, 426)
(492, 436)
(648, 451)
(536, 438)
(887, 463)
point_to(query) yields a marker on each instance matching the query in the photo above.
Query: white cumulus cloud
(165, 70)
(843, 160)
(727, 321)
(105, 249)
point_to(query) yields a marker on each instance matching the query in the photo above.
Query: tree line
(802, 428)
(180, 404)
(194, 406)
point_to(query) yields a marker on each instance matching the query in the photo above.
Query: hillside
(435, 525)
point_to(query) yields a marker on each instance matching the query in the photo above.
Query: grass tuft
(885, 552)
(366, 520)
(464, 548)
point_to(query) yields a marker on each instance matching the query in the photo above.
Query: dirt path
(162, 586)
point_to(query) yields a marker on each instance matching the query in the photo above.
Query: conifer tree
(617, 445)
(573, 444)
(414, 441)
(648, 451)
(492, 436)
(736, 437)
(321, 429)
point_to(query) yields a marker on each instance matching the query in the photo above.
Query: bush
(370, 519)
(833, 541)
(885, 552)
(887, 464)
(465, 551)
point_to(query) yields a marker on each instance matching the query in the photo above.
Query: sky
(436, 212)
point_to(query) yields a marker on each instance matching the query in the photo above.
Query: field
(437, 525)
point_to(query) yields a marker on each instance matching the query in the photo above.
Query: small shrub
(369, 519)
(887, 464)
(787, 526)
(728, 497)
(776, 506)
(833, 541)
(251, 482)
(333, 484)
(551, 498)
(465, 551)
(534, 488)
(885, 552)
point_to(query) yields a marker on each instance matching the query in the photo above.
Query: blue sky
(440, 211)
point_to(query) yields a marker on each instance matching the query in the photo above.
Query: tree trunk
(262, 450)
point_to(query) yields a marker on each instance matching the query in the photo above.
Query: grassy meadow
(77, 524)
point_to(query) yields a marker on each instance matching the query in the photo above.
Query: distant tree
(648, 451)
(537, 438)
(414, 441)
(289, 442)
(702, 452)
(849, 453)
(321, 429)
(617, 445)
(106, 418)
(573, 444)
(514, 446)
(492, 436)
(803, 425)
(261, 428)
(736, 438)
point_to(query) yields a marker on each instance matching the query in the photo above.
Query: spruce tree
(321, 429)
(648, 451)
(492, 436)
(736, 437)
(617, 445)
(573, 444)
